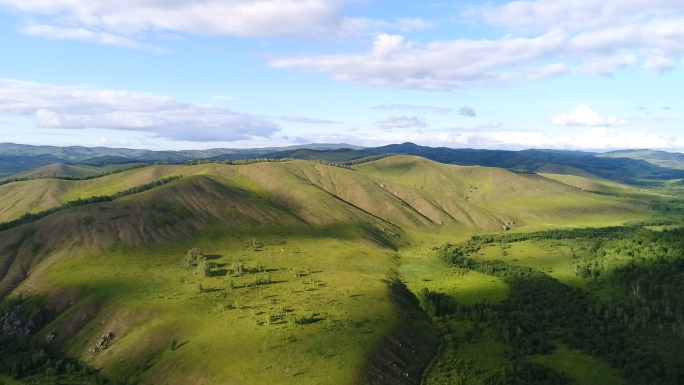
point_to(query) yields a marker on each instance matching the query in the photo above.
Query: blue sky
(173, 74)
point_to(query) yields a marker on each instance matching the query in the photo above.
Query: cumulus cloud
(467, 111)
(584, 116)
(592, 37)
(303, 119)
(411, 107)
(82, 107)
(392, 122)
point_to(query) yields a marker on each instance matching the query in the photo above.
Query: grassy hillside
(72, 170)
(599, 185)
(562, 170)
(527, 199)
(330, 248)
(659, 158)
(609, 168)
(41, 194)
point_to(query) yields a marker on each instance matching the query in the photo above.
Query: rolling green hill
(308, 265)
(659, 158)
(73, 170)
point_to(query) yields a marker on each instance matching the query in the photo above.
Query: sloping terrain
(609, 168)
(562, 170)
(526, 198)
(41, 194)
(604, 186)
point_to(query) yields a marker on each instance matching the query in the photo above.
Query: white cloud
(411, 107)
(585, 35)
(392, 122)
(81, 107)
(592, 139)
(254, 18)
(103, 38)
(548, 71)
(584, 116)
(395, 62)
(467, 111)
(303, 119)
(576, 14)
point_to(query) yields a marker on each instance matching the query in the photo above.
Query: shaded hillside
(673, 160)
(10, 164)
(339, 155)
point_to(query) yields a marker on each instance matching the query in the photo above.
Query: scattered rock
(50, 337)
(102, 343)
(390, 232)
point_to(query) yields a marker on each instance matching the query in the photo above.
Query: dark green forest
(626, 330)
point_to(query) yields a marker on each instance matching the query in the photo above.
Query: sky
(180, 74)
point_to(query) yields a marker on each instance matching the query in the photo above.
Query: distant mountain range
(619, 165)
(16, 158)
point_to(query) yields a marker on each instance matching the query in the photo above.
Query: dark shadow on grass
(181, 344)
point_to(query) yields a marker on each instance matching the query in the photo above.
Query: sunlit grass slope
(529, 199)
(74, 170)
(603, 186)
(230, 336)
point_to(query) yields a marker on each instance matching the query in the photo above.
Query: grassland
(146, 300)
(329, 239)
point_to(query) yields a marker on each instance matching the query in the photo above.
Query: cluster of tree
(462, 372)
(643, 182)
(30, 218)
(540, 309)
(604, 193)
(240, 268)
(353, 162)
(69, 177)
(195, 258)
(241, 162)
(667, 207)
(476, 243)
(648, 269)
(522, 171)
(22, 355)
